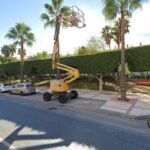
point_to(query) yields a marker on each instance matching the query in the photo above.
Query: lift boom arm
(75, 19)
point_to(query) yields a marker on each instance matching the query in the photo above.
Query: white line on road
(11, 147)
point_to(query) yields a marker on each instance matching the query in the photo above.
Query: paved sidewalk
(138, 106)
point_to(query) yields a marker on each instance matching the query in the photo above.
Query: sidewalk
(138, 106)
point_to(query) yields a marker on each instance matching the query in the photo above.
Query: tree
(22, 36)
(113, 8)
(81, 51)
(8, 51)
(116, 30)
(93, 46)
(42, 55)
(107, 35)
(24, 52)
(52, 11)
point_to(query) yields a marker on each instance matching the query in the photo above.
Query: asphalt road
(30, 125)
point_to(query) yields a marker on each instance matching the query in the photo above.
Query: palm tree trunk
(119, 33)
(22, 61)
(119, 40)
(58, 60)
(56, 37)
(123, 76)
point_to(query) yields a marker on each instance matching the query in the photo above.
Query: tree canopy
(21, 35)
(41, 55)
(8, 51)
(53, 10)
(93, 45)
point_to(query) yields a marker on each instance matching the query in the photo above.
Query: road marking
(11, 147)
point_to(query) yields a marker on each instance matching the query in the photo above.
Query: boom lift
(60, 87)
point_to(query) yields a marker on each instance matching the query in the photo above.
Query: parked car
(23, 89)
(5, 87)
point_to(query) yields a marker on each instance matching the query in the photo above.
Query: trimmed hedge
(105, 62)
(138, 59)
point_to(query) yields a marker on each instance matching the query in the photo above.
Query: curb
(126, 116)
(92, 99)
(107, 112)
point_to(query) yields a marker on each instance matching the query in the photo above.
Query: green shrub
(104, 62)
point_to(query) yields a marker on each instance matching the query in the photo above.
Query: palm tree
(22, 35)
(107, 35)
(116, 31)
(8, 51)
(24, 52)
(113, 8)
(53, 11)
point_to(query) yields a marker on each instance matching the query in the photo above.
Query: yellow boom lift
(60, 87)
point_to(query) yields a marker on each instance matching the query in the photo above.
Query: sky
(29, 11)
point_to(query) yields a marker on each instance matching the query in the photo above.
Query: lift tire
(63, 98)
(148, 122)
(47, 96)
(74, 94)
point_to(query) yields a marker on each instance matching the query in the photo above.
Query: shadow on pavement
(53, 126)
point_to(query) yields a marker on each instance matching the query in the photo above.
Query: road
(27, 124)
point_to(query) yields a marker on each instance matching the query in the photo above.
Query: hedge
(138, 59)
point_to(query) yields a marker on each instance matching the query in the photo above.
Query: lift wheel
(47, 96)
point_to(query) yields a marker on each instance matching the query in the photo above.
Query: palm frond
(52, 11)
(45, 17)
(50, 23)
(135, 4)
(65, 11)
(54, 3)
(30, 36)
(49, 9)
(29, 43)
(57, 4)
(111, 9)
(16, 43)
(12, 34)
(20, 32)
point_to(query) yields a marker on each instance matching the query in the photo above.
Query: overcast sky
(28, 11)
